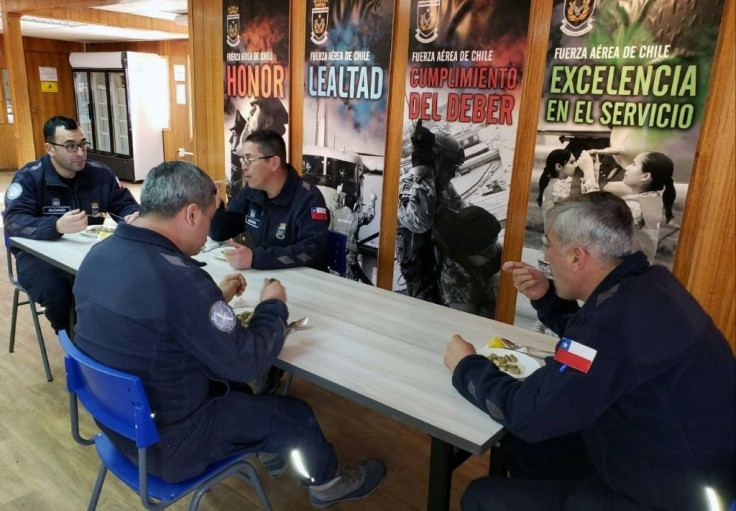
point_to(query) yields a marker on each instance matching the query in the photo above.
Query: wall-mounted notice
(48, 74)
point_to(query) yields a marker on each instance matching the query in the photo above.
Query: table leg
(440, 475)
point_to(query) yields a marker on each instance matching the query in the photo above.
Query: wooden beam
(526, 134)
(392, 158)
(14, 58)
(706, 250)
(111, 19)
(208, 105)
(297, 59)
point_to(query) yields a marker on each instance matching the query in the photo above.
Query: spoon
(298, 324)
(518, 347)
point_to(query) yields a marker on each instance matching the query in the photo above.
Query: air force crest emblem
(320, 14)
(281, 231)
(232, 23)
(428, 18)
(578, 18)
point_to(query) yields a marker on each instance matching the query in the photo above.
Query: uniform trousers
(239, 421)
(49, 286)
(552, 475)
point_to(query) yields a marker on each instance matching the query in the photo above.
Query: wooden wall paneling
(205, 48)
(297, 60)
(22, 125)
(392, 158)
(47, 104)
(705, 261)
(526, 135)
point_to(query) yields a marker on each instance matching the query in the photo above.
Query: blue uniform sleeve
(228, 223)
(230, 352)
(23, 215)
(549, 403)
(553, 311)
(310, 245)
(122, 203)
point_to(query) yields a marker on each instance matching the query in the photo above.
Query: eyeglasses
(248, 160)
(71, 147)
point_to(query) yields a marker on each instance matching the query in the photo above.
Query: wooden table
(378, 348)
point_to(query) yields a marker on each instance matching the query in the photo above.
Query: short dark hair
(49, 127)
(270, 143)
(172, 185)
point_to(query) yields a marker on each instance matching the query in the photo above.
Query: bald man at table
(636, 409)
(144, 306)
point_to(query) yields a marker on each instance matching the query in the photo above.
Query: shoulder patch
(14, 191)
(222, 316)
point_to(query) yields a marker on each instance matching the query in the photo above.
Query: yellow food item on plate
(495, 342)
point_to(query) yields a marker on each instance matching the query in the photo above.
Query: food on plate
(495, 342)
(104, 234)
(97, 229)
(244, 317)
(506, 363)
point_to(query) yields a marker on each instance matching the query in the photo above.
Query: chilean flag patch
(575, 355)
(319, 213)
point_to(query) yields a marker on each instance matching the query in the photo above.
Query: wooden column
(205, 49)
(392, 159)
(706, 250)
(297, 59)
(526, 134)
(14, 58)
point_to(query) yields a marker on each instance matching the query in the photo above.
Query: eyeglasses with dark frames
(248, 160)
(71, 147)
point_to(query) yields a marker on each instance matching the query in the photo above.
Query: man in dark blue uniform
(62, 193)
(285, 216)
(636, 409)
(146, 307)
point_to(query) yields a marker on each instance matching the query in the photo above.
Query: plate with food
(218, 253)
(518, 365)
(94, 231)
(244, 317)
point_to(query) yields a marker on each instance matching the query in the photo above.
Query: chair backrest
(114, 398)
(335, 254)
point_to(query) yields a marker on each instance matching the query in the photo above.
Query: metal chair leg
(98, 488)
(287, 384)
(14, 317)
(41, 343)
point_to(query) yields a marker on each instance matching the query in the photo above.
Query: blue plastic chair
(35, 311)
(118, 400)
(336, 252)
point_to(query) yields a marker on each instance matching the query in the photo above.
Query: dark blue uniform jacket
(146, 308)
(37, 197)
(656, 409)
(289, 230)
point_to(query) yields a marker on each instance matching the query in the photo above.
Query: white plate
(93, 230)
(217, 253)
(524, 362)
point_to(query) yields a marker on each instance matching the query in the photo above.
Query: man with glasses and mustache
(61, 193)
(285, 216)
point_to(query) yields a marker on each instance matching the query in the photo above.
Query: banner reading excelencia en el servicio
(623, 100)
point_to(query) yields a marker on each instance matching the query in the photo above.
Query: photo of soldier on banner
(256, 74)
(462, 100)
(623, 99)
(348, 49)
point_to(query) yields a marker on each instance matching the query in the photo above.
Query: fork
(518, 347)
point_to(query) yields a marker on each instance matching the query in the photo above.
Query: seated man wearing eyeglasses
(61, 193)
(285, 216)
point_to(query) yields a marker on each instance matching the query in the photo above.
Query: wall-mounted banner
(463, 88)
(256, 76)
(623, 100)
(348, 51)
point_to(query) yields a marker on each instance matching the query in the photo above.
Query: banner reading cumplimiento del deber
(256, 76)
(463, 88)
(348, 52)
(624, 95)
